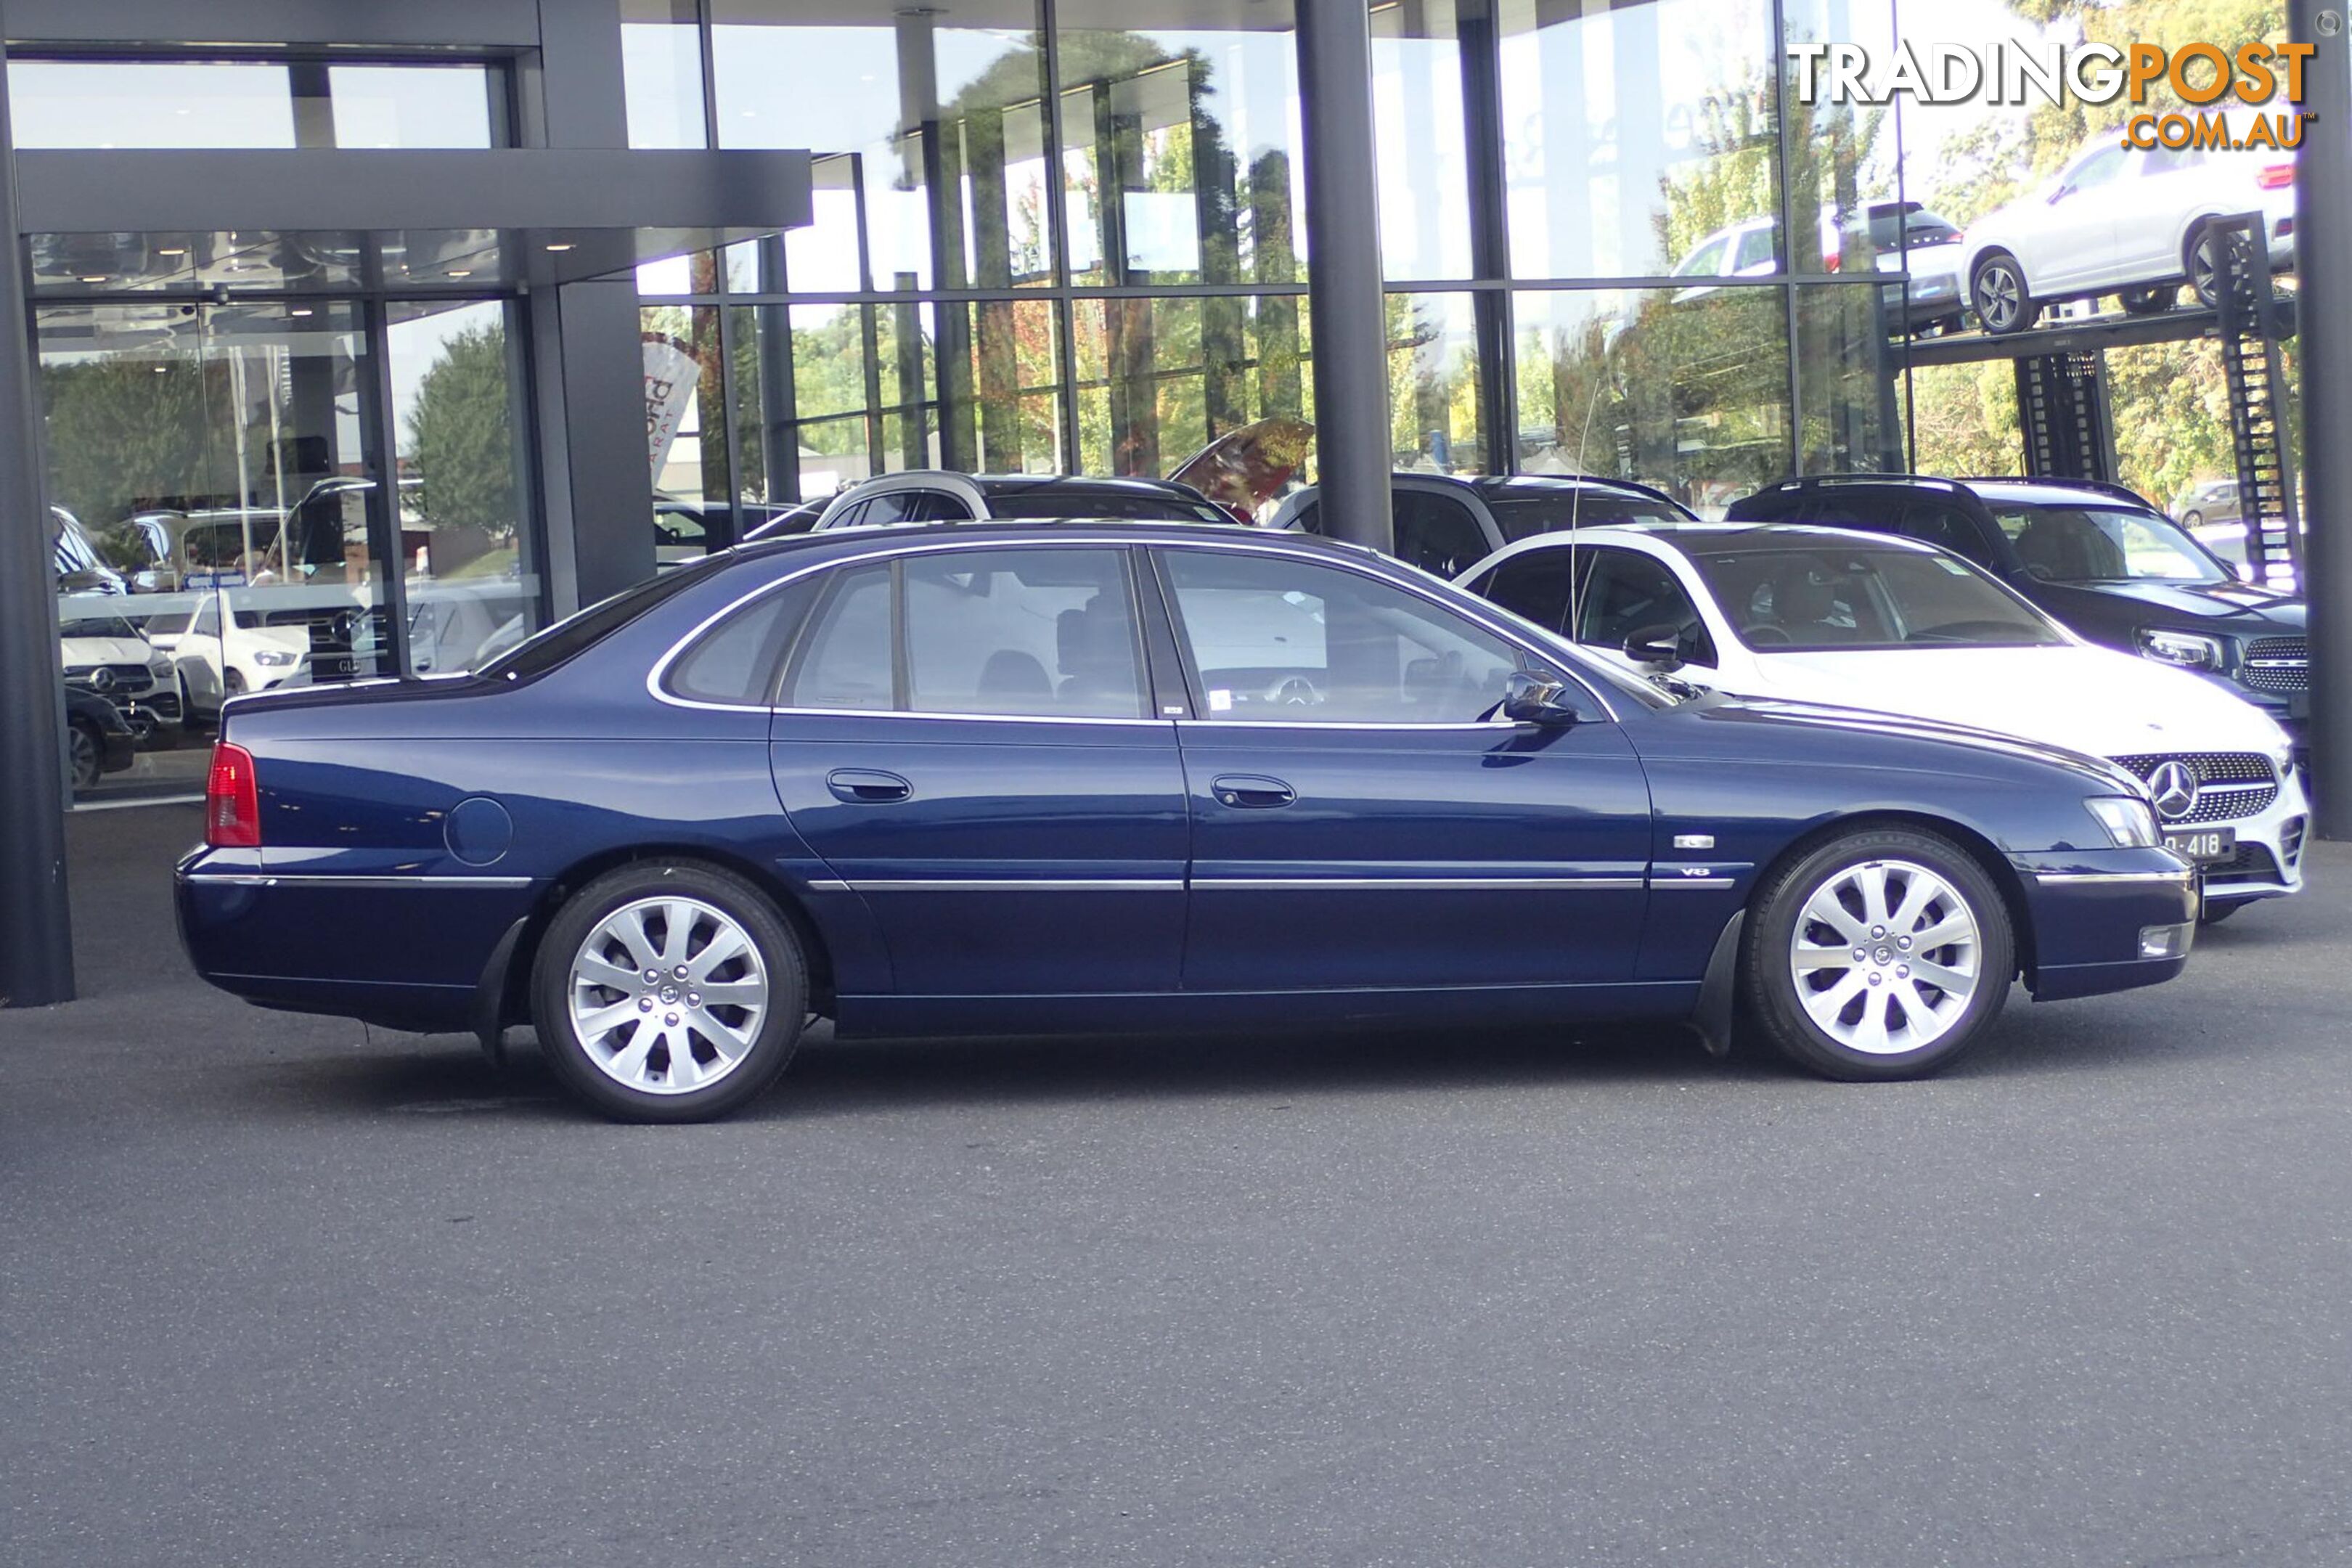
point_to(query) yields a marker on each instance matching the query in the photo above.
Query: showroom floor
(279, 1292)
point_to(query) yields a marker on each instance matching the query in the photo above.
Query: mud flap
(1711, 1018)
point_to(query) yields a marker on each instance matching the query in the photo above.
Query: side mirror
(1532, 699)
(1658, 646)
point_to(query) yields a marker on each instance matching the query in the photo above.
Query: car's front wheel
(670, 991)
(1997, 291)
(1884, 954)
(86, 752)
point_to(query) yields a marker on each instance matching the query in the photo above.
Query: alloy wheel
(2000, 297)
(81, 751)
(1885, 956)
(667, 995)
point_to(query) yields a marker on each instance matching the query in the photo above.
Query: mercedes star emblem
(2174, 788)
(101, 679)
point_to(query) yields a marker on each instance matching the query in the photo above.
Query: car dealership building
(385, 328)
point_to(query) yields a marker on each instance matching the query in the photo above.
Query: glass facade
(1075, 242)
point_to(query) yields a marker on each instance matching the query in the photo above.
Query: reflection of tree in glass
(461, 437)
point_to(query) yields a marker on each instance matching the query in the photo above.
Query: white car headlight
(2187, 649)
(273, 658)
(2130, 823)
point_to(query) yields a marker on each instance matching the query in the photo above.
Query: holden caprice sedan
(995, 778)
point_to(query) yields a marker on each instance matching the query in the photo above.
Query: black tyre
(1884, 954)
(2192, 518)
(86, 752)
(2150, 302)
(668, 991)
(2204, 267)
(1998, 290)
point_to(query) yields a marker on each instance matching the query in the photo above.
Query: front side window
(1932, 522)
(1627, 593)
(1293, 641)
(1814, 598)
(1536, 585)
(1046, 633)
(2105, 544)
(1437, 534)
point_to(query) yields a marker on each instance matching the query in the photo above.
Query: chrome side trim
(1413, 884)
(329, 879)
(924, 713)
(827, 885)
(2174, 879)
(1658, 881)
(1021, 885)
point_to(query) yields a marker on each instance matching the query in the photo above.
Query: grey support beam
(2323, 254)
(606, 482)
(1348, 316)
(35, 937)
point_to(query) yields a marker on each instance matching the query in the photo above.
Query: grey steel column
(1347, 317)
(36, 939)
(2323, 255)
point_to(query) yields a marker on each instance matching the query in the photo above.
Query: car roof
(2041, 492)
(1025, 484)
(1719, 538)
(1140, 530)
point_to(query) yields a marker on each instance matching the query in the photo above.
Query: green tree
(461, 439)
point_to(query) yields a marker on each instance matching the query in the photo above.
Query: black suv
(2098, 557)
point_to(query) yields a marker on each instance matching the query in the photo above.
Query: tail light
(2275, 176)
(232, 800)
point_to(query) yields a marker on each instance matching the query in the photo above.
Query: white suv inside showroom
(2124, 221)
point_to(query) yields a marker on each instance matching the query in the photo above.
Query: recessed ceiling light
(161, 369)
(180, 250)
(565, 247)
(300, 311)
(94, 278)
(461, 272)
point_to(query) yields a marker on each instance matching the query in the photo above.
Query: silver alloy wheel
(667, 996)
(2000, 295)
(1885, 956)
(82, 747)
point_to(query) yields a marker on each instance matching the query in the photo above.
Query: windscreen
(2105, 544)
(1813, 598)
(99, 627)
(1524, 517)
(537, 654)
(1083, 500)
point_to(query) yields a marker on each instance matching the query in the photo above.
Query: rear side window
(1536, 585)
(737, 661)
(1437, 534)
(1934, 523)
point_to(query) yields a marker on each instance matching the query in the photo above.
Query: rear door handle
(1250, 792)
(866, 786)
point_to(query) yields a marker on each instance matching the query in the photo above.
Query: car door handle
(866, 786)
(1250, 792)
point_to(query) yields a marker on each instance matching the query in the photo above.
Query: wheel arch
(1979, 848)
(513, 983)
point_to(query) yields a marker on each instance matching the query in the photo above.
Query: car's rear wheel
(2192, 518)
(86, 752)
(2205, 265)
(2150, 302)
(1997, 291)
(1881, 954)
(670, 991)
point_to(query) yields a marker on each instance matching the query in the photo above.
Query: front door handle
(866, 786)
(1250, 792)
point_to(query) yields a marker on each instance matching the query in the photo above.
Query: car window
(1437, 533)
(678, 528)
(1755, 248)
(1553, 509)
(2095, 170)
(207, 621)
(934, 506)
(2105, 544)
(1536, 585)
(1845, 511)
(1042, 631)
(1705, 261)
(1940, 524)
(99, 627)
(1297, 641)
(845, 660)
(553, 645)
(2165, 160)
(737, 660)
(1625, 593)
(171, 623)
(1812, 597)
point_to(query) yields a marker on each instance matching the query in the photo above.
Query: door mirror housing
(1530, 698)
(1657, 648)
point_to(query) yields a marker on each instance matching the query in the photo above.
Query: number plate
(2203, 845)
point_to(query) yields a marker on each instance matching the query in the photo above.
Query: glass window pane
(79, 103)
(685, 431)
(1000, 381)
(845, 662)
(1026, 631)
(1424, 162)
(1850, 349)
(468, 558)
(661, 73)
(1434, 416)
(1632, 133)
(1626, 594)
(1158, 379)
(410, 106)
(737, 661)
(1180, 144)
(1437, 533)
(928, 132)
(1292, 642)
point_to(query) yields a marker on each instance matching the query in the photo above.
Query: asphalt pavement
(279, 1290)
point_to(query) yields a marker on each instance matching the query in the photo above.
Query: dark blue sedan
(1010, 778)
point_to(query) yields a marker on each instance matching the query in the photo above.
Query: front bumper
(2094, 912)
(2269, 861)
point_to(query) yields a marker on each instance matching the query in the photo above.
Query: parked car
(1817, 615)
(1443, 523)
(75, 559)
(686, 530)
(937, 495)
(104, 654)
(784, 522)
(2124, 221)
(1105, 776)
(2206, 500)
(98, 738)
(2105, 563)
(1895, 236)
(222, 647)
